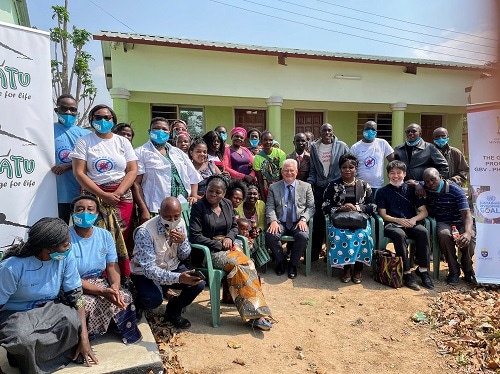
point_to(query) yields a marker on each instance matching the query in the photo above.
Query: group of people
(128, 243)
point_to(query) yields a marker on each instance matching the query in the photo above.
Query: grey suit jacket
(304, 201)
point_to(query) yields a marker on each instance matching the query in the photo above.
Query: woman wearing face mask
(105, 165)
(253, 136)
(238, 160)
(164, 171)
(176, 126)
(95, 252)
(40, 333)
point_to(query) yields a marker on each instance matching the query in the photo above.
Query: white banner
(27, 186)
(484, 155)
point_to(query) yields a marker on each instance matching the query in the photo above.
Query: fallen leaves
(468, 326)
(233, 344)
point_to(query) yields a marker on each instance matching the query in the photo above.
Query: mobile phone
(199, 274)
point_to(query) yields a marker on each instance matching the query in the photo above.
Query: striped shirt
(446, 205)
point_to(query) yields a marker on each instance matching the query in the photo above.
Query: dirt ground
(324, 326)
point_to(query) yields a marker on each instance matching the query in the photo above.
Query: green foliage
(77, 78)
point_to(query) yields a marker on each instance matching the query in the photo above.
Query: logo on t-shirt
(370, 162)
(104, 165)
(62, 155)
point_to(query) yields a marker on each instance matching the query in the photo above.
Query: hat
(240, 130)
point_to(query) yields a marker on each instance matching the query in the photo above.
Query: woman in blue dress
(106, 302)
(42, 316)
(349, 246)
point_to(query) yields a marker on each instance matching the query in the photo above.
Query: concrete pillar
(120, 98)
(274, 104)
(398, 123)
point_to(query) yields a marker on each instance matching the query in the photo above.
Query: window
(193, 116)
(384, 124)
(194, 119)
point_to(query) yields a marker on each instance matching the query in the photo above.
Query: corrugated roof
(280, 52)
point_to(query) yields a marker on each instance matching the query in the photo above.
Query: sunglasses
(97, 117)
(411, 131)
(64, 109)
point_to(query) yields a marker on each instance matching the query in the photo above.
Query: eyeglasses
(64, 109)
(411, 131)
(97, 117)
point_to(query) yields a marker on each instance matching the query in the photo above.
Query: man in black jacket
(419, 155)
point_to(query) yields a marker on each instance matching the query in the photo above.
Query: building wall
(197, 72)
(16, 12)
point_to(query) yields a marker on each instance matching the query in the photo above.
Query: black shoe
(410, 282)
(178, 322)
(280, 268)
(470, 278)
(426, 279)
(12, 360)
(452, 279)
(292, 271)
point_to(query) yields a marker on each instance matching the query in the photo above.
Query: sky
(451, 30)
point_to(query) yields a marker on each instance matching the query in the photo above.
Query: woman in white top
(164, 171)
(105, 165)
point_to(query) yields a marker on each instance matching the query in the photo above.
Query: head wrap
(240, 130)
(184, 133)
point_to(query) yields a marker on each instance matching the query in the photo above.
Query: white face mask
(170, 225)
(397, 184)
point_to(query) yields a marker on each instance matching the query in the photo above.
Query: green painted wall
(139, 116)
(411, 118)
(344, 126)
(8, 13)
(219, 115)
(287, 130)
(454, 124)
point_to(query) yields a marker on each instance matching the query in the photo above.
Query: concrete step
(113, 355)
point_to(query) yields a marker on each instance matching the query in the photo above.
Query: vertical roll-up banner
(27, 185)
(484, 157)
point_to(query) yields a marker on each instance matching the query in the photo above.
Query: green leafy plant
(75, 79)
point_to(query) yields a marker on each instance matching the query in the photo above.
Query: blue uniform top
(65, 139)
(28, 282)
(94, 253)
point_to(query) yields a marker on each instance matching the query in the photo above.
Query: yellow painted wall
(198, 72)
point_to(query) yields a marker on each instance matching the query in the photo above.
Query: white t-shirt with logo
(371, 160)
(325, 156)
(106, 158)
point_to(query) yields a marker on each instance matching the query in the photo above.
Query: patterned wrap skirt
(244, 285)
(100, 312)
(350, 245)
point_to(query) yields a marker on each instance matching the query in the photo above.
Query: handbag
(349, 220)
(387, 268)
(259, 252)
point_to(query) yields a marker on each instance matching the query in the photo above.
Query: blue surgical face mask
(441, 184)
(369, 134)
(84, 220)
(66, 120)
(58, 256)
(441, 142)
(159, 136)
(102, 126)
(253, 142)
(415, 142)
(223, 135)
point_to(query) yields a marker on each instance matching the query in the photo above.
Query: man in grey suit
(290, 204)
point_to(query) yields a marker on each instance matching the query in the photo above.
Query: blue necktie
(289, 208)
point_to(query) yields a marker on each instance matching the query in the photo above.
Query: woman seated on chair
(349, 246)
(94, 251)
(40, 332)
(213, 224)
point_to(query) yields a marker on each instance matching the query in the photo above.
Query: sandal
(261, 323)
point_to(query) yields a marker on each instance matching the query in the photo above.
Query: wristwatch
(303, 219)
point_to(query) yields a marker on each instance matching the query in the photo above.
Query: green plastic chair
(430, 225)
(288, 238)
(214, 276)
(328, 242)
